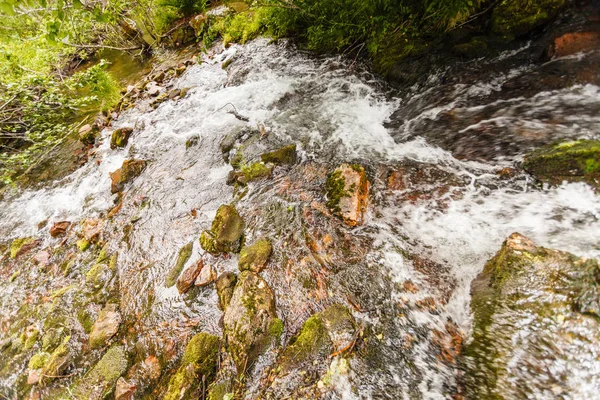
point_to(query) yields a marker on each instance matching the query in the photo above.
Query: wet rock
(182, 258)
(225, 285)
(34, 376)
(153, 89)
(248, 318)
(226, 232)
(120, 137)
(332, 331)
(285, 155)
(514, 18)
(574, 42)
(127, 173)
(254, 257)
(124, 390)
(188, 277)
(197, 369)
(206, 277)
(60, 359)
(348, 192)
(59, 228)
(22, 246)
(572, 161)
(528, 303)
(100, 382)
(92, 229)
(42, 258)
(87, 134)
(105, 327)
(249, 173)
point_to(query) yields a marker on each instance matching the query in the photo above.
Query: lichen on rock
(254, 257)
(348, 193)
(182, 258)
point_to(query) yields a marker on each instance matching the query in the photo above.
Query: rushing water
(337, 114)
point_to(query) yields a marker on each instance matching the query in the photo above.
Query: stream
(451, 133)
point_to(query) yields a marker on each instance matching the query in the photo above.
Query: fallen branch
(102, 46)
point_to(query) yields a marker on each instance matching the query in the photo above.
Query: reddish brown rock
(574, 42)
(92, 228)
(188, 277)
(348, 193)
(105, 327)
(59, 228)
(124, 390)
(206, 277)
(127, 173)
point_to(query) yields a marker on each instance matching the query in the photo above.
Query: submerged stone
(226, 232)
(527, 303)
(130, 170)
(348, 193)
(571, 161)
(22, 246)
(254, 257)
(100, 382)
(284, 155)
(105, 327)
(188, 277)
(225, 285)
(247, 319)
(197, 369)
(120, 137)
(60, 359)
(59, 228)
(184, 255)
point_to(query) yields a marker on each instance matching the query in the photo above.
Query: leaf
(6, 8)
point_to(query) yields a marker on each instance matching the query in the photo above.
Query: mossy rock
(53, 338)
(130, 169)
(120, 137)
(225, 285)
(284, 155)
(247, 319)
(105, 327)
(198, 364)
(60, 359)
(250, 173)
(514, 18)
(39, 360)
(226, 232)
(255, 257)
(21, 246)
(526, 298)
(577, 161)
(182, 258)
(99, 383)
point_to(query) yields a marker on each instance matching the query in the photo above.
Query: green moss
(60, 292)
(83, 244)
(184, 255)
(218, 391)
(252, 172)
(31, 340)
(52, 339)
(100, 381)
(513, 18)
(335, 190)
(120, 137)
(59, 359)
(103, 256)
(86, 319)
(14, 276)
(571, 161)
(39, 360)
(312, 338)
(18, 244)
(207, 242)
(276, 328)
(285, 155)
(255, 257)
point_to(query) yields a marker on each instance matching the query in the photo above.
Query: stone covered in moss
(571, 161)
(21, 246)
(226, 232)
(527, 303)
(100, 382)
(39, 360)
(120, 137)
(225, 285)
(348, 192)
(249, 173)
(284, 155)
(60, 359)
(182, 258)
(247, 319)
(130, 170)
(198, 365)
(513, 18)
(255, 257)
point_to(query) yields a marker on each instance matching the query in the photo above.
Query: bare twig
(102, 46)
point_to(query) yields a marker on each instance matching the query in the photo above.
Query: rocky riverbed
(258, 222)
